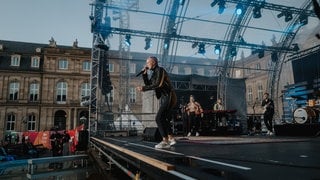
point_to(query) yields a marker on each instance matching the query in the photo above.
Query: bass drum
(303, 115)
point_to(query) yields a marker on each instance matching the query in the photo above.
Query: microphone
(142, 71)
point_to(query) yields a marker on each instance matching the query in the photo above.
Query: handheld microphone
(142, 71)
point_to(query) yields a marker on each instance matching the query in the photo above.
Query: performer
(268, 113)
(161, 84)
(218, 107)
(194, 111)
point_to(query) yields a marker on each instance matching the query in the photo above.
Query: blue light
(239, 8)
(217, 49)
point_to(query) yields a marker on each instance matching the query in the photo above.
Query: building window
(187, 71)
(63, 64)
(15, 60)
(200, 71)
(133, 68)
(61, 92)
(238, 73)
(11, 120)
(31, 124)
(132, 95)
(250, 95)
(86, 66)
(35, 61)
(175, 70)
(260, 91)
(111, 67)
(34, 92)
(14, 91)
(85, 89)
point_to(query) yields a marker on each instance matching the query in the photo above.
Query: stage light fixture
(148, 43)
(217, 49)
(239, 9)
(233, 51)
(295, 47)
(256, 12)
(202, 49)
(159, 2)
(261, 53)
(303, 19)
(127, 40)
(280, 15)
(222, 6)
(288, 17)
(194, 45)
(182, 2)
(214, 3)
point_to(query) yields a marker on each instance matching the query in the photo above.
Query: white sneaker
(197, 134)
(172, 142)
(189, 134)
(271, 133)
(162, 145)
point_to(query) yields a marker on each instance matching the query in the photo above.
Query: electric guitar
(266, 106)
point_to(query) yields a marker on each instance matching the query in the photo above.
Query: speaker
(151, 134)
(83, 140)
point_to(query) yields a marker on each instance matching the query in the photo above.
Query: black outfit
(268, 113)
(160, 82)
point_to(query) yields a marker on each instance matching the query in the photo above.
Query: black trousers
(164, 114)
(267, 118)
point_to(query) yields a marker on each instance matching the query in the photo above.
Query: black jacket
(159, 82)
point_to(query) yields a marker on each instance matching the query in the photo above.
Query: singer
(161, 84)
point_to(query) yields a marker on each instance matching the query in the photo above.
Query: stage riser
(297, 129)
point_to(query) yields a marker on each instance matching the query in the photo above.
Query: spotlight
(288, 17)
(214, 3)
(194, 45)
(102, 46)
(256, 12)
(202, 48)
(217, 49)
(280, 15)
(222, 6)
(127, 40)
(295, 47)
(239, 9)
(148, 43)
(303, 19)
(233, 51)
(159, 2)
(166, 44)
(182, 2)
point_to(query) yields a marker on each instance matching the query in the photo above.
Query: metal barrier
(66, 165)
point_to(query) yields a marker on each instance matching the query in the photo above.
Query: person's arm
(158, 81)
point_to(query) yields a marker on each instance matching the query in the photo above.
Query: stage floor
(234, 157)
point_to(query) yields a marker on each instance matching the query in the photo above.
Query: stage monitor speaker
(151, 134)
(83, 140)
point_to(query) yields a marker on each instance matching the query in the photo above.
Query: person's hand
(139, 88)
(201, 115)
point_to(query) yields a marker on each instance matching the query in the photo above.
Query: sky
(67, 20)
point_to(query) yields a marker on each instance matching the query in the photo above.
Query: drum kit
(308, 114)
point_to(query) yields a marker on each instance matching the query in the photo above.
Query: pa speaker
(151, 134)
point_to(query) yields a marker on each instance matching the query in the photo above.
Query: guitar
(266, 106)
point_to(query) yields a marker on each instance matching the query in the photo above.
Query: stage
(219, 157)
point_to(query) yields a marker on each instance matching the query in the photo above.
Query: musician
(194, 112)
(218, 108)
(268, 106)
(161, 84)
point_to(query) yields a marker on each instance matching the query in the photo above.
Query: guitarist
(268, 106)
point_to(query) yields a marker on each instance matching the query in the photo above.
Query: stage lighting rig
(202, 49)
(128, 40)
(239, 9)
(148, 43)
(217, 49)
